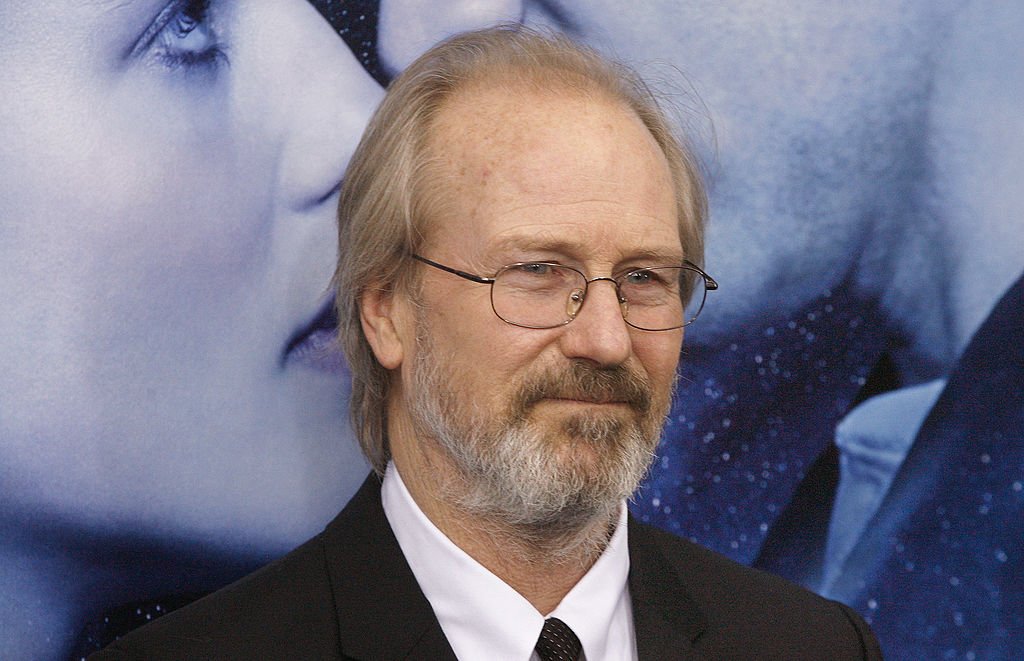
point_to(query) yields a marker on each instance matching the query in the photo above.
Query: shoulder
(738, 606)
(284, 610)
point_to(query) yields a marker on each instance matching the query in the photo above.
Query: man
(866, 224)
(520, 234)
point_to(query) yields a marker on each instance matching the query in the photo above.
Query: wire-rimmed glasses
(547, 295)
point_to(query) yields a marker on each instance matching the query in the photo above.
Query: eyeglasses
(545, 295)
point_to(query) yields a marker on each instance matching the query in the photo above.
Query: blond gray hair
(383, 209)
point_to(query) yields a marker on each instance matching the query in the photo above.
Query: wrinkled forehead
(516, 125)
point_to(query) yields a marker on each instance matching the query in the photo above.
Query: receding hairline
(513, 83)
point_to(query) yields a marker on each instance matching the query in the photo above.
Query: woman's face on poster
(168, 184)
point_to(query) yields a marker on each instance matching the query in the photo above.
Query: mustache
(583, 381)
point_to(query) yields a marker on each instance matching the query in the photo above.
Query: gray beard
(547, 486)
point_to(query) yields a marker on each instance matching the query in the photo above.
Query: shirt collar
(483, 617)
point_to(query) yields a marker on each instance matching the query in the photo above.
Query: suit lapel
(382, 613)
(666, 619)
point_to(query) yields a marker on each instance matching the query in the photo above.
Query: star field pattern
(749, 420)
(355, 21)
(940, 571)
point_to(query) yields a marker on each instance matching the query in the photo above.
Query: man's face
(541, 422)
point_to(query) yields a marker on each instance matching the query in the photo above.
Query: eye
(642, 277)
(535, 268)
(183, 36)
(537, 276)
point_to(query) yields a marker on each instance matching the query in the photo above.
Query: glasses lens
(663, 298)
(537, 294)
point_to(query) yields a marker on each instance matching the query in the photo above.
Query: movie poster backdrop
(850, 406)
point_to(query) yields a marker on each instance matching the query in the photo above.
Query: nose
(407, 28)
(319, 98)
(599, 333)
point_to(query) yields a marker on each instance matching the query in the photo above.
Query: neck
(985, 271)
(540, 562)
(978, 139)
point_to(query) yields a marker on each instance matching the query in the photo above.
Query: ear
(383, 324)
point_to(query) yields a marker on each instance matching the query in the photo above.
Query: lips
(314, 345)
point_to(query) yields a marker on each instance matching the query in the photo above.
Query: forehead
(518, 163)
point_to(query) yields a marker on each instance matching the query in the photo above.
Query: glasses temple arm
(461, 274)
(709, 283)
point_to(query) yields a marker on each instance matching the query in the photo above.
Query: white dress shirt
(483, 618)
(873, 441)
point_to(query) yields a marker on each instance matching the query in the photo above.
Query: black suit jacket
(349, 594)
